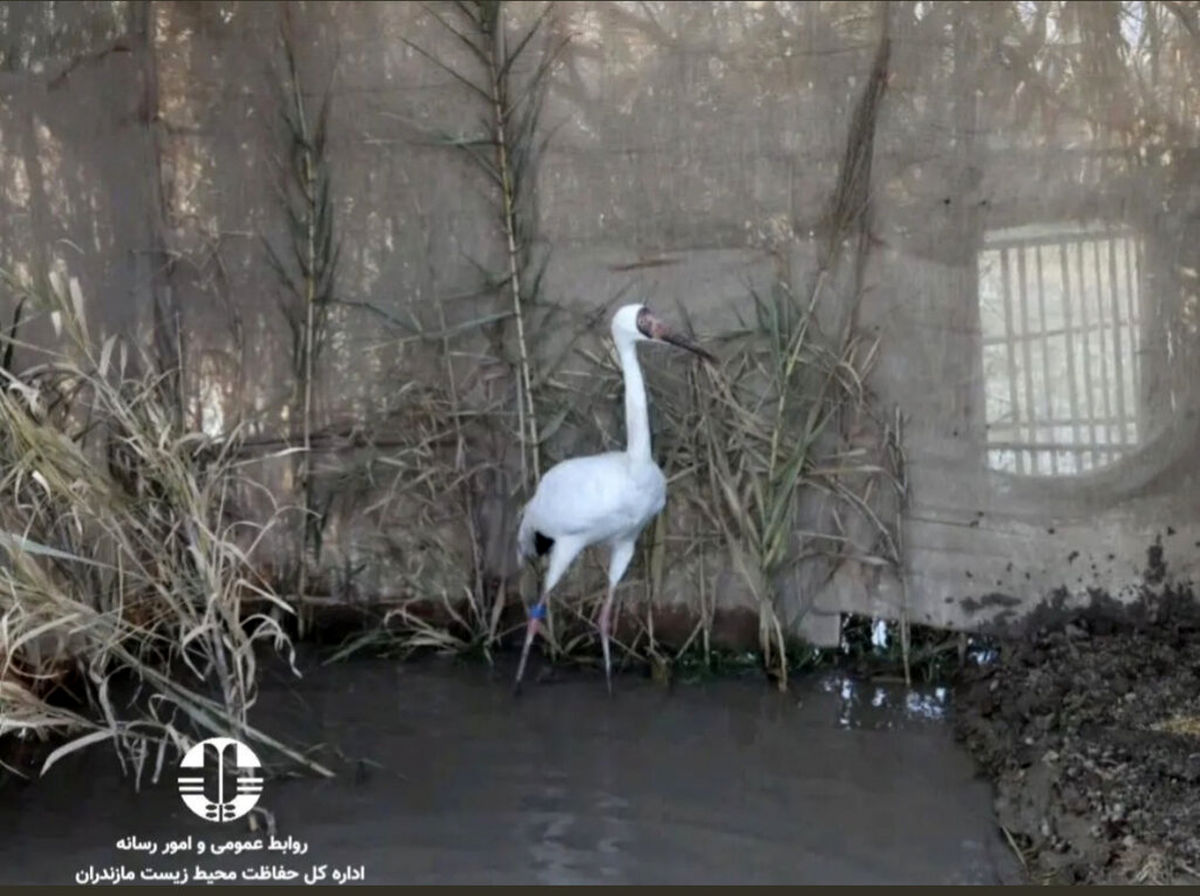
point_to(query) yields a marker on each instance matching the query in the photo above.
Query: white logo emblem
(203, 773)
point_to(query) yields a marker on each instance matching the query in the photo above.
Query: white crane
(601, 498)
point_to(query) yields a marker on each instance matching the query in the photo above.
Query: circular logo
(220, 779)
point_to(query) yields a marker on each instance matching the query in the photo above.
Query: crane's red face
(653, 328)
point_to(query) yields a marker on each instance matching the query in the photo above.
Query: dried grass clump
(123, 583)
(774, 474)
(426, 562)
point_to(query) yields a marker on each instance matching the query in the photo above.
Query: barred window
(1059, 309)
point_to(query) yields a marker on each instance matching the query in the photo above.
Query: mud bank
(1088, 723)
(442, 777)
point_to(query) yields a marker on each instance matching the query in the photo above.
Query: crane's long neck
(637, 419)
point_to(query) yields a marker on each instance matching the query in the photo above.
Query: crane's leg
(622, 553)
(561, 555)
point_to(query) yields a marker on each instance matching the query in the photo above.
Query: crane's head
(634, 323)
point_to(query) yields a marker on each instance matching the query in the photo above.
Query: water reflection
(865, 704)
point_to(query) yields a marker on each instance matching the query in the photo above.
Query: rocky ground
(1088, 723)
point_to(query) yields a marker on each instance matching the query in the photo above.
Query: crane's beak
(660, 331)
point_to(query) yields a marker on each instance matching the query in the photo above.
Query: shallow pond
(444, 777)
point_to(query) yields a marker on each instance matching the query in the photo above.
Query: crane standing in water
(602, 498)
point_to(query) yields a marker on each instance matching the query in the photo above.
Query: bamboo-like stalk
(166, 314)
(311, 288)
(309, 186)
(498, 67)
(512, 137)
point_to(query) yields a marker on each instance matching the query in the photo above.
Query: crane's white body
(601, 499)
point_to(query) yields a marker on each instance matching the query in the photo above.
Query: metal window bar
(1135, 334)
(1089, 396)
(1118, 359)
(1037, 335)
(1106, 382)
(1101, 426)
(1048, 393)
(1014, 404)
(1027, 353)
(1072, 379)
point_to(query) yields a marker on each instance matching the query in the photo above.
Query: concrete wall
(692, 146)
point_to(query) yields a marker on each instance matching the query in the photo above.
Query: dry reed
(125, 567)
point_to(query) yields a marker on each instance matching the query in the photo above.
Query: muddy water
(444, 778)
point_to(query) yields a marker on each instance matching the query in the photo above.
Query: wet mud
(1088, 723)
(444, 777)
